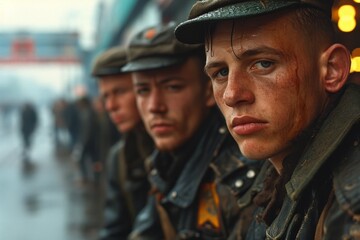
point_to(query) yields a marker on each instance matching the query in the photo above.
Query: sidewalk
(42, 201)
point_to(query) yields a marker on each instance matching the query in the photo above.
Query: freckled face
(270, 90)
(173, 102)
(119, 101)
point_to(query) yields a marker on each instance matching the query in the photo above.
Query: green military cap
(206, 11)
(109, 62)
(156, 47)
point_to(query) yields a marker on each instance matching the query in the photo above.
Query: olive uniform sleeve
(117, 218)
(147, 225)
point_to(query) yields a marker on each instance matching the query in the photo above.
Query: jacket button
(250, 174)
(153, 172)
(239, 183)
(173, 195)
(222, 130)
(356, 143)
(350, 186)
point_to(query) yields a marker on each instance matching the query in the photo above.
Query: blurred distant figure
(60, 131)
(71, 117)
(87, 150)
(28, 123)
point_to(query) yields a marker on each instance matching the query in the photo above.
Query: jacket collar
(186, 186)
(334, 129)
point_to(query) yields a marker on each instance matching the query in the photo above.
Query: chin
(124, 128)
(252, 153)
(165, 145)
(120, 129)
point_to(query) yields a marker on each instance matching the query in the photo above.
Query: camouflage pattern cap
(205, 11)
(109, 62)
(156, 47)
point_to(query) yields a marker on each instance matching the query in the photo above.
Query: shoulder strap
(122, 182)
(168, 229)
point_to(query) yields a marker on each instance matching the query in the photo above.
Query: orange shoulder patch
(208, 211)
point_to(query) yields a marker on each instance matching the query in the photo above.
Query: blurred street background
(41, 200)
(46, 51)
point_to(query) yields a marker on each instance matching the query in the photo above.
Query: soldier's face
(172, 102)
(266, 83)
(119, 101)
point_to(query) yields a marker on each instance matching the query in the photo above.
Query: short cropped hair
(315, 24)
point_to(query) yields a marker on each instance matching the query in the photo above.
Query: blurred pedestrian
(71, 118)
(28, 124)
(59, 124)
(127, 184)
(86, 150)
(281, 80)
(197, 169)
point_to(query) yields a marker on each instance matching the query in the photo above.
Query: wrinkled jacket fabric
(323, 194)
(127, 184)
(213, 152)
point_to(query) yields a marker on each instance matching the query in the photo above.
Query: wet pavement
(42, 200)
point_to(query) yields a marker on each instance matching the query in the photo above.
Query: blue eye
(224, 72)
(264, 64)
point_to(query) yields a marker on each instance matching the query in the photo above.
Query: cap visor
(107, 71)
(192, 31)
(151, 63)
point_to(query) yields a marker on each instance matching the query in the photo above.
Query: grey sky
(50, 15)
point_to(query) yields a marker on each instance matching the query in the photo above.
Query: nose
(157, 102)
(110, 103)
(238, 90)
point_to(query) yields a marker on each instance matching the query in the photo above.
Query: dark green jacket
(127, 184)
(210, 154)
(323, 194)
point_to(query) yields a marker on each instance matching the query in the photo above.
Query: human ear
(335, 65)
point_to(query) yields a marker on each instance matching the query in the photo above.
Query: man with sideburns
(196, 171)
(280, 80)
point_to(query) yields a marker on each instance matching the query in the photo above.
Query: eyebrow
(245, 54)
(170, 79)
(162, 81)
(214, 64)
(260, 50)
(136, 83)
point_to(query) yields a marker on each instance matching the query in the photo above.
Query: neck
(300, 142)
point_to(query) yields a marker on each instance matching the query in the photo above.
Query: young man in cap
(127, 184)
(176, 103)
(279, 78)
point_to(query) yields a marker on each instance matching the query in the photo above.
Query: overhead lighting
(355, 52)
(347, 21)
(355, 64)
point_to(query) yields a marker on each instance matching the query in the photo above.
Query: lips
(161, 128)
(246, 125)
(116, 119)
